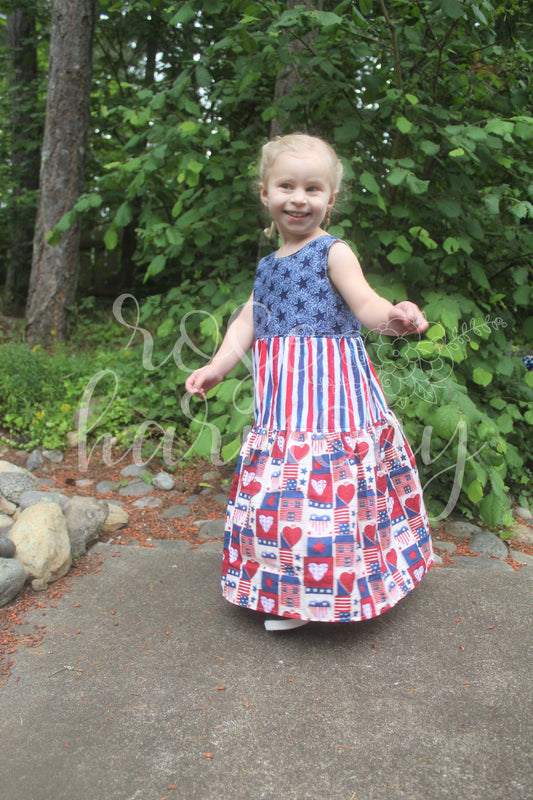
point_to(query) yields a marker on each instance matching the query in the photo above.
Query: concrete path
(148, 685)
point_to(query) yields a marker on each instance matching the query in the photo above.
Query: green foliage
(123, 375)
(38, 393)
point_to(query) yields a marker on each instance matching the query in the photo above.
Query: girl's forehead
(307, 161)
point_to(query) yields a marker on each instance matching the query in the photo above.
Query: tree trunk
(24, 132)
(54, 268)
(289, 77)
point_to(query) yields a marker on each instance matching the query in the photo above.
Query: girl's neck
(290, 246)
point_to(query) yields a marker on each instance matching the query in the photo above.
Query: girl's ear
(263, 193)
(331, 201)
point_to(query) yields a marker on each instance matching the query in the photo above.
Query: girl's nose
(298, 196)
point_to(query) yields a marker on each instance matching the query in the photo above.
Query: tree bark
(54, 268)
(24, 132)
(289, 77)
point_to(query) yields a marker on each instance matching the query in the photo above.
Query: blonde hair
(298, 143)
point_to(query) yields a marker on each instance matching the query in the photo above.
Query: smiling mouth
(297, 214)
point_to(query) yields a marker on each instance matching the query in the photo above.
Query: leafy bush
(40, 393)
(36, 394)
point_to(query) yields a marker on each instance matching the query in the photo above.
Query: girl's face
(297, 194)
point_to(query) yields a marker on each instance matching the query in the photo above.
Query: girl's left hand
(406, 318)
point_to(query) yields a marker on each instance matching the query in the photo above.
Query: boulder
(32, 496)
(34, 460)
(72, 439)
(5, 522)
(136, 488)
(487, 543)
(7, 507)
(12, 579)
(85, 517)
(53, 455)
(41, 538)
(15, 480)
(163, 481)
(212, 529)
(461, 528)
(104, 487)
(7, 547)
(133, 471)
(117, 518)
(147, 502)
(522, 533)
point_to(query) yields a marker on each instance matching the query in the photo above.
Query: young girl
(326, 520)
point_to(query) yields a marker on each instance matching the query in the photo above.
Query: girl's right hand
(202, 380)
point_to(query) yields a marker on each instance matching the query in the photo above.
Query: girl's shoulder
(320, 245)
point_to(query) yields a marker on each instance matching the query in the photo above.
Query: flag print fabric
(326, 519)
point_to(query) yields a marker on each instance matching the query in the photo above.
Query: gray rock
(221, 498)
(522, 558)
(448, 547)
(45, 483)
(163, 481)
(212, 475)
(487, 543)
(12, 579)
(33, 496)
(117, 518)
(104, 487)
(7, 547)
(147, 502)
(85, 517)
(15, 480)
(6, 521)
(438, 560)
(34, 460)
(192, 499)
(522, 533)
(461, 528)
(213, 529)
(72, 439)
(6, 507)
(523, 513)
(481, 562)
(135, 489)
(84, 482)
(53, 455)
(176, 511)
(133, 470)
(41, 538)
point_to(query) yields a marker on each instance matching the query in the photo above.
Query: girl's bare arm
(236, 343)
(372, 310)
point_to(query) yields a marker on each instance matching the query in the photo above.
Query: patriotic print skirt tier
(326, 519)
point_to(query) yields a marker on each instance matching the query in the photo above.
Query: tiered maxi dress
(326, 519)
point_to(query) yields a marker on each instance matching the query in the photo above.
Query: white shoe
(284, 624)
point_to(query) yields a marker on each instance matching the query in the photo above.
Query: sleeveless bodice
(293, 296)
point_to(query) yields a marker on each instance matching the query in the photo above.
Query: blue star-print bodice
(293, 296)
